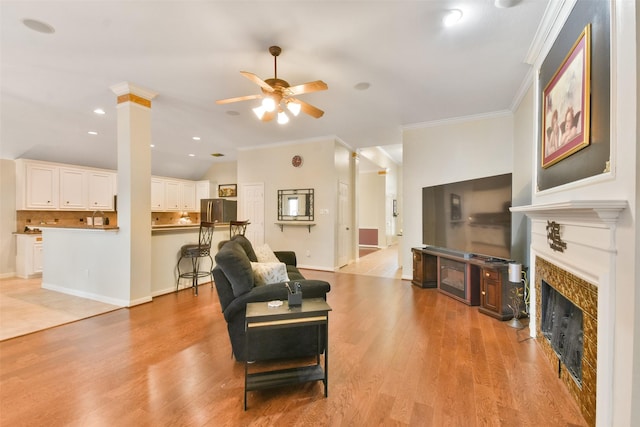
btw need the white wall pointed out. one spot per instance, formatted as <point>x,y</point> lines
<point>451,151</point>
<point>7,218</point>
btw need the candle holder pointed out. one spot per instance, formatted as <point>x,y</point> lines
<point>516,294</point>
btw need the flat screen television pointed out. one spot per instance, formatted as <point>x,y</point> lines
<point>470,217</point>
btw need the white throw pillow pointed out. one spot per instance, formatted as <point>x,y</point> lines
<point>265,254</point>
<point>265,273</point>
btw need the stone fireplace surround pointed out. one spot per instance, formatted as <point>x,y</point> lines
<point>585,273</point>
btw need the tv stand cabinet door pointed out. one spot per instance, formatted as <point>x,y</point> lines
<point>493,300</point>
<point>425,269</point>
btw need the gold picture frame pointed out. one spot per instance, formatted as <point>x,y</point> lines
<point>227,190</point>
<point>566,104</point>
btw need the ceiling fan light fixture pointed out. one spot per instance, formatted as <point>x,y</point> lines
<point>452,17</point>
<point>294,107</point>
<point>269,104</point>
<point>283,119</point>
<point>259,112</point>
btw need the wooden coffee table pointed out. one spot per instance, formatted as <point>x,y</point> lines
<point>314,311</point>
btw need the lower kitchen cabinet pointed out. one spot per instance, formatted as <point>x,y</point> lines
<point>28,255</point>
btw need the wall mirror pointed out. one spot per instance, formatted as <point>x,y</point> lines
<point>295,205</point>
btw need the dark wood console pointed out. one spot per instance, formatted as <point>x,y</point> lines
<point>471,279</point>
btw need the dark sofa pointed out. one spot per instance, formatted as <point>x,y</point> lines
<point>233,276</point>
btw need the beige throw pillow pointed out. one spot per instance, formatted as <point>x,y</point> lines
<point>265,254</point>
<point>265,273</point>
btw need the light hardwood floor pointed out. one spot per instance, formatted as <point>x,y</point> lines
<point>399,355</point>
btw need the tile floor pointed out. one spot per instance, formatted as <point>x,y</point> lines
<point>25,307</point>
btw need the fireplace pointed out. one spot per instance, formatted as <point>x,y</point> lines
<point>575,250</point>
<point>567,323</point>
<point>561,324</point>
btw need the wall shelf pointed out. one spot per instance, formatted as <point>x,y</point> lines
<point>307,224</point>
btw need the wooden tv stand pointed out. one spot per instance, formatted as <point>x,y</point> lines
<point>469,278</point>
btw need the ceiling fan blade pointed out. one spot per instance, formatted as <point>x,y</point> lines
<point>239,98</point>
<point>309,109</point>
<point>307,87</point>
<point>257,80</point>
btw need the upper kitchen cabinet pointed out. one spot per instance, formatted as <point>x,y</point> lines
<point>73,189</point>
<point>172,195</point>
<point>102,188</point>
<point>51,186</point>
<point>169,194</point>
<point>188,196</point>
<point>203,191</point>
<point>157,194</point>
<point>37,185</point>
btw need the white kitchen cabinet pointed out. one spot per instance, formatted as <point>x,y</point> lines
<point>28,255</point>
<point>172,195</point>
<point>188,196</point>
<point>157,194</point>
<point>203,191</point>
<point>41,187</point>
<point>73,189</point>
<point>101,190</point>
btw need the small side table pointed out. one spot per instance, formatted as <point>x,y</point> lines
<point>314,311</point>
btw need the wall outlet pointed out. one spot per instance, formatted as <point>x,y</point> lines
<point>308,253</point>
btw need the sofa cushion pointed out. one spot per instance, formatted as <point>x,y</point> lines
<point>246,245</point>
<point>234,263</point>
<point>266,273</point>
<point>265,254</point>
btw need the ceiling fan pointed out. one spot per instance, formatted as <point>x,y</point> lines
<point>277,93</point>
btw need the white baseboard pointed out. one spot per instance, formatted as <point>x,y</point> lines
<point>95,297</point>
<point>8,275</point>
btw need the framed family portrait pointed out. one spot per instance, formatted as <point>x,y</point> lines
<point>227,190</point>
<point>566,104</point>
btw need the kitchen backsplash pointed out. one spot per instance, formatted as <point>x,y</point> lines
<point>33,219</point>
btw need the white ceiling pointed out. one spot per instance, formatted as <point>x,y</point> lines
<point>191,52</point>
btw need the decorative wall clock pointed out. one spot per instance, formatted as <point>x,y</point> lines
<point>296,161</point>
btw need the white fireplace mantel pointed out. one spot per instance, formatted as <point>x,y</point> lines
<point>605,211</point>
<point>588,230</point>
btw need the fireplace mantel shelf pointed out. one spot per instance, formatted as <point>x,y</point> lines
<point>606,211</point>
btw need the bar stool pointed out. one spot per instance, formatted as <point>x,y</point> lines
<point>195,252</point>
<point>237,227</point>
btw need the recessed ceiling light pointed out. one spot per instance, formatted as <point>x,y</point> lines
<point>192,155</point>
<point>196,138</point>
<point>503,4</point>
<point>92,132</point>
<point>99,111</point>
<point>39,26</point>
<point>362,86</point>
<point>152,145</point>
<point>452,17</point>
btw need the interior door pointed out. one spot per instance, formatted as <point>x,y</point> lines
<point>252,209</point>
<point>344,224</point>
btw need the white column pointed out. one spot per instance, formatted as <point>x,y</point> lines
<point>134,189</point>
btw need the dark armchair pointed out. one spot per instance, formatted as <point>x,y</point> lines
<point>234,282</point>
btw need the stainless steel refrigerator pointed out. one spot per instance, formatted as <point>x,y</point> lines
<point>218,210</point>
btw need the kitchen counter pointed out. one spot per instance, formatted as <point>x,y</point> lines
<point>174,227</point>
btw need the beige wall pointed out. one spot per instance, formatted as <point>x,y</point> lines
<point>7,217</point>
<point>220,174</point>
<point>325,163</point>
